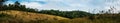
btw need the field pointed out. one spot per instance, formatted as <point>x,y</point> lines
<point>13,16</point>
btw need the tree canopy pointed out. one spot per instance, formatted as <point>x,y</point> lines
<point>2,2</point>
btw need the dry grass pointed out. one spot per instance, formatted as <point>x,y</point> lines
<point>29,17</point>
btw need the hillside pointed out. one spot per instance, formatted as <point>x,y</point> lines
<point>29,16</point>
<point>14,16</point>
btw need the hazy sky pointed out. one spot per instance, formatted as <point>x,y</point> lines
<point>69,5</point>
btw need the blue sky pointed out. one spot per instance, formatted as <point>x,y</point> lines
<point>69,5</point>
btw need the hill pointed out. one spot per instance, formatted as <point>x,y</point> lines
<point>14,15</point>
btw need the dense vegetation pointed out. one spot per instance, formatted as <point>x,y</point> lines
<point>68,14</point>
<point>16,6</point>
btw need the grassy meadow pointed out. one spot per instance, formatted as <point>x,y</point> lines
<point>17,13</point>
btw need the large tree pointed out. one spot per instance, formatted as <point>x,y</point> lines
<point>17,3</point>
<point>2,2</point>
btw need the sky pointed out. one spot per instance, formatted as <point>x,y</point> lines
<point>70,5</point>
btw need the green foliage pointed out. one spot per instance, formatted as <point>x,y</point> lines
<point>17,3</point>
<point>2,2</point>
<point>30,10</point>
<point>68,14</point>
<point>17,6</point>
<point>3,15</point>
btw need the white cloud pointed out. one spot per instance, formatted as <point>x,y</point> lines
<point>69,5</point>
<point>32,4</point>
<point>65,5</point>
<point>9,2</point>
<point>113,3</point>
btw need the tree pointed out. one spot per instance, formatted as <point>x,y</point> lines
<point>1,4</point>
<point>17,3</point>
<point>2,1</point>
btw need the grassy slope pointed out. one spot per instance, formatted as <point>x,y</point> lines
<point>29,16</point>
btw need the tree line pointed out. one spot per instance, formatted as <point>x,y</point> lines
<point>15,6</point>
<point>68,14</point>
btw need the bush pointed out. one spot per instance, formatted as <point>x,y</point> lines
<point>3,15</point>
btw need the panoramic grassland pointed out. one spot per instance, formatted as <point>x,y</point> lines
<point>17,13</point>
<point>13,16</point>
